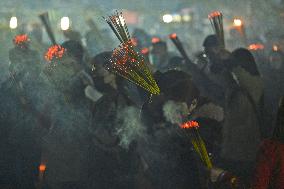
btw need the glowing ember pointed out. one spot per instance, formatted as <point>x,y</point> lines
<point>42,168</point>
<point>145,51</point>
<point>55,51</point>
<point>214,14</point>
<point>134,41</point>
<point>20,40</point>
<point>173,36</point>
<point>155,40</point>
<point>189,125</point>
<point>255,47</point>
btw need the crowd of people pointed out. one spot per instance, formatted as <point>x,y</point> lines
<point>70,123</point>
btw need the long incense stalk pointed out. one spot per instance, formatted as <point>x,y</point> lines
<point>45,21</point>
<point>216,20</point>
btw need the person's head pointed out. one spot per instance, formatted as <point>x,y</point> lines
<point>278,133</point>
<point>176,63</point>
<point>211,46</point>
<point>276,60</point>
<point>74,49</point>
<point>99,63</point>
<point>177,86</point>
<point>243,58</point>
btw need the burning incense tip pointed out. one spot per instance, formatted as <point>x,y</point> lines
<point>20,40</point>
<point>215,14</point>
<point>189,125</point>
<point>42,168</point>
<point>145,51</point>
<point>155,40</point>
<point>55,51</point>
<point>173,36</point>
<point>256,46</point>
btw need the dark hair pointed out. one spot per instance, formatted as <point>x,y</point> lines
<point>278,133</point>
<point>211,41</point>
<point>177,86</point>
<point>243,57</point>
<point>75,49</point>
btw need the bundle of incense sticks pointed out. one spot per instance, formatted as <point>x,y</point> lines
<point>197,142</point>
<point>125,61</point>
<point>118,26</point>
<point>45,21</point>
<point>179,46</point>
<point>216,20</point>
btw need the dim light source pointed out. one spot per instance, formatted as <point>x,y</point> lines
<point>13,22</point>
<point>65,23</point>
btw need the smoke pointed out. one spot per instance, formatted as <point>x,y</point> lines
<point>130,127</point>
<point>175,111</point>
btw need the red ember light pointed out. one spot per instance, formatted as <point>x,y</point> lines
<point>42,168</point>
<point>145,51</point>
<point>189,125</point>
<point>55,51</point>
<point>173,36</point>
<point>21,39</point>
<point>255,47</point>
<point>155,40</point>
<point>215,14</point>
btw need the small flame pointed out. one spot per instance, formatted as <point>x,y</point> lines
<point>155,40</point>
<point>189,125</point>
<point>55,51</point>
<point>21,39</point>
<point>214,14</point>
<point>173,36</point>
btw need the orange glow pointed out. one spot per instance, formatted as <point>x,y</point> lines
<point>189,125</point>
<point>145,51</point>
<point>21,39</point>
<point>238,22</point>
<point>134,41</point>
<point>255,47</point>
<point>275,48</point>
<point>55,51</point>
<point>214,14</point>
<point>173,36</point>
<point>155,40</point>
<point>42,167</point>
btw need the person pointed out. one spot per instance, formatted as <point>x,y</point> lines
<point>20,136</point>
<point>216,68</point>
<point>166,150</point>
<point>66,144</point>
<point>273,88</point>
<point>270,160</point>
<point>114,159</point>
<point>160,56</point>
<point>241,129</point>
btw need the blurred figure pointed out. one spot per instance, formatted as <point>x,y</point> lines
<point>114,159</point>
<point>67,142</point>
<point>160,56</point>
<point>167,150</point>
<point>273,84</point>
<point>143,39</point>
<point>270,161</point>
<point>241,130</point>
<point>19,123</point>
